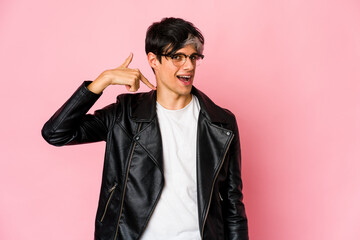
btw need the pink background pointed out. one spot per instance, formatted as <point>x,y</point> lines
<point>288,69</point>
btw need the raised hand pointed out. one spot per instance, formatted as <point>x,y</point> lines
<point>121,75</point>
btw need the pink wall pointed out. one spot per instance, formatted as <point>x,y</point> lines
<point>289,70</point>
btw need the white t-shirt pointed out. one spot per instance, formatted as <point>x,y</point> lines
<point>176,214</point>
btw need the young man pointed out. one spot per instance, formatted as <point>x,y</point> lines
<point>172,161</point>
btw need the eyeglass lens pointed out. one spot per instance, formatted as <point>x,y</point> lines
<point>180,59</point>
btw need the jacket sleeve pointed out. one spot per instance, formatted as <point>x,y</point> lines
<point>236,226</point>
<point>71,125</point>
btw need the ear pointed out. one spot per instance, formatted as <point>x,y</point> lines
<point>153,61</point>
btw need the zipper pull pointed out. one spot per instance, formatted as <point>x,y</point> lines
<point>112,189</point>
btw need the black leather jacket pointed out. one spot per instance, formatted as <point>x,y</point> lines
<point>133,169</point>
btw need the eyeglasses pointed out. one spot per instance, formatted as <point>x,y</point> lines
<point>179,59</point>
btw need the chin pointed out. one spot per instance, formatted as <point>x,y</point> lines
<point>186,91</point>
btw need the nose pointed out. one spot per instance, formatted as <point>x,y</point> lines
<point>189,65</point>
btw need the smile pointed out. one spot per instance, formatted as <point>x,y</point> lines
<point>184,78</point>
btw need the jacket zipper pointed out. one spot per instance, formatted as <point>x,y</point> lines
<point>126,178</point>
<point>212,188</point>
<point>111,191</point>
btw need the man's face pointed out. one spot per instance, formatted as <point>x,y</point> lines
<point>176,80</point>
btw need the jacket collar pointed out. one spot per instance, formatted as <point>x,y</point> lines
<point>144,108</point>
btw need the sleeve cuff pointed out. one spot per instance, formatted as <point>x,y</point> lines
<point>84,86</point>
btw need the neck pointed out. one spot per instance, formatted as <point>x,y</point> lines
<point>172,101</point>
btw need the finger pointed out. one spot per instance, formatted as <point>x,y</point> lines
<point>132,88</point>
<point>127,61</point>
<point>146,82</point>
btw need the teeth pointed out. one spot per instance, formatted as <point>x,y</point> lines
<point>185,78</point>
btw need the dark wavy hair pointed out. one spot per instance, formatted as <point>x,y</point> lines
<point>172,34</point>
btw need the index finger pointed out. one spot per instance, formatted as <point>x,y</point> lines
<point>146,82</point>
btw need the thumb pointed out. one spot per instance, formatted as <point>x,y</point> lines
<point>127,61</point>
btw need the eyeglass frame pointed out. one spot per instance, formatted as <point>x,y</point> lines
<point>186,56</point>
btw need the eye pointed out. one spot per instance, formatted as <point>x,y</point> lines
<point>177,57</point>
<point>194,57</point>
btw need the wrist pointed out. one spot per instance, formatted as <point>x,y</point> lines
<point>99,84</point>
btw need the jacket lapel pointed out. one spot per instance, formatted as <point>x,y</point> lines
<point>144,110</point>
<point>212,145</point>
<point>150,138</point>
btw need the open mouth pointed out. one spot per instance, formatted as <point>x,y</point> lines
<point>184,78</point>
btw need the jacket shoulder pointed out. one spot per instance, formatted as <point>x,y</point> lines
<point>128,97</point>
<point>214,111</point>
<point>132,99</point>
